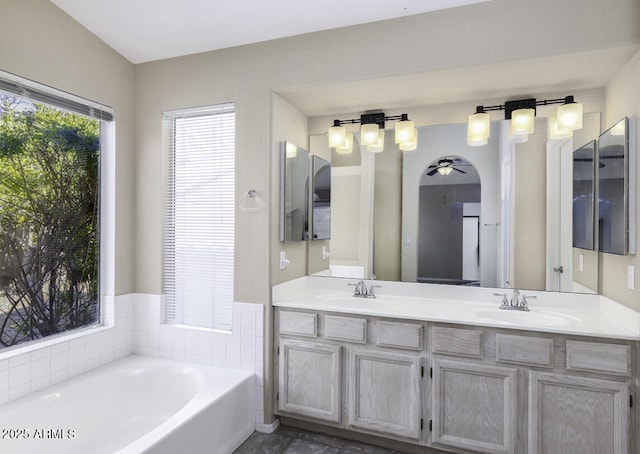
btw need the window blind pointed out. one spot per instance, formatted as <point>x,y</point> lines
<point>199,216</point>
<point>53,97</point>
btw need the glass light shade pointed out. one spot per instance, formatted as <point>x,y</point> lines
<point>405,131</point>
<point>292,150</point>
<point>369,134</point>
<point>478,129</point>
<point>555,132</point>
<point>522,122</point>
<point>444,170</point>
<point>347,146</point>
<point>379,145</point>
<point>570,116</point>
<point>410,146</point>
<point>337,136</point>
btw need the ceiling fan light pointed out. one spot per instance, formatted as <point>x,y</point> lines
<point>369,134</point>
<point>347,148</point>
<point>337,135</point>
<point>522,121</point>
<point>444,171</point>
<point>570,115</point>
<point>405,130</point>
<point>478,129</point>
<point>378,146</point>
<point>556,132</point>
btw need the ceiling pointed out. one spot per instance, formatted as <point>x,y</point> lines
<point>146,30</point>
<point>504,80</point>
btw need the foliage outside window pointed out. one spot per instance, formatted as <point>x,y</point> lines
<point>49,205</point>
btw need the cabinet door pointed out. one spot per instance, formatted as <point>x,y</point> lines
<point>384,393</point>
<point>309,380</point>
<point>474,406</point>
<point>571,414</point>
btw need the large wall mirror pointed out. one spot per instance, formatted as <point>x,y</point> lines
<point>616,223</point>
<point>486,223</point>
<point>294,193</point>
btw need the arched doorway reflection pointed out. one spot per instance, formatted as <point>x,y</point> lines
<point>449,223</point>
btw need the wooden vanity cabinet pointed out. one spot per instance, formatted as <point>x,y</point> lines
<point>358,373</point>
<point>458,388</point>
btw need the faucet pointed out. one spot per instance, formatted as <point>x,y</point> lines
<point>361,290</point>
<point>518,301</point>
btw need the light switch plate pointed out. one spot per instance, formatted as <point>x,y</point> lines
<point>631,277</point>
<point>581,263</point>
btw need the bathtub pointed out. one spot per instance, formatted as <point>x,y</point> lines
<point>134,405</point>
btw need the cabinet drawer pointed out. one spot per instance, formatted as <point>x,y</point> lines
<point>455,341</point>
<point>612,359</point>
<point>298,323</point>
<point>532,351</point>
<point>399,335</point>
<point>345,329</point>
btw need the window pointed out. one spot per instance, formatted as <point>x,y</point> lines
<point>49,211</point>
<point>199,216</point>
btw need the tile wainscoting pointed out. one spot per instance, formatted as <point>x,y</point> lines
<point>240,349</point>
<point>132,325</point>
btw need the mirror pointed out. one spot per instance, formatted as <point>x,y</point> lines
<point>294,193</point>
<point>321,200</point>
<point>613,191</point>
<point>376,230</point>
<point>583,196</point>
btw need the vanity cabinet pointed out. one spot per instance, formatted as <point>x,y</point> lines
<point>474,406</point>
<point>457,388</point>
<point>309,380</point>
<point>384,392</point>
<point>577,415</point>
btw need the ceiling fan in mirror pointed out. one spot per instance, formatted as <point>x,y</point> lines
<point>446,166</point>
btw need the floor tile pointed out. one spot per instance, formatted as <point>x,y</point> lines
<point>289,440</point>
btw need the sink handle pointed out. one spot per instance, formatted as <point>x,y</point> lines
<point>505,302</point>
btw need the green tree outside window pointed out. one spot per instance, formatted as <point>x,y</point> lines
<point>49,205</point>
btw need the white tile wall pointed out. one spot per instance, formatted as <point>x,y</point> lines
<point>39,365</point>
<point>133,326</point>
<point>239,349</point>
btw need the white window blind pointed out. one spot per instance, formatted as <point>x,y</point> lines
<point>199,216</point>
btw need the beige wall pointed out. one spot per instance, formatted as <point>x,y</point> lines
<point>40,42</point>
<point>623,99</point>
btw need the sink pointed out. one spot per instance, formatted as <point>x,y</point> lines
<point>531,317</point>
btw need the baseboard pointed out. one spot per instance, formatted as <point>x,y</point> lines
<point>268,428</point>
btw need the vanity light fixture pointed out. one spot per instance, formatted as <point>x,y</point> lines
<point>522,114</point>
<point>372,132</point>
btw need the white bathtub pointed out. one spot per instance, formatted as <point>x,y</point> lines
<point>138,404</point>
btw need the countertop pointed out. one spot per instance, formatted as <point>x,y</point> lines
<point>549,312</point>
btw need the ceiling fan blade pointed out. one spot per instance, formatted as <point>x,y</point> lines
<point>433,172</point>
<point>458,170</point>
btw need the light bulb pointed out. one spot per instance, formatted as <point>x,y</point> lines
<point>570,116</point>
<point>347,146</point>
<point>337,135</point>
<point>522,122</point>
<point>369,134</point>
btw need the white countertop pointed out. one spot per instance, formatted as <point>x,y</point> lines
<point>583,315</point>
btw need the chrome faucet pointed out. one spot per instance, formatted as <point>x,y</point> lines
<point>361,290</point>
<point>518,301</point>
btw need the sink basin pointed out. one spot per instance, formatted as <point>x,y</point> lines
<point>531,317</point>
